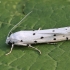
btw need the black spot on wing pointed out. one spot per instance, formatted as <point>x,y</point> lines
<point>63,36</point>
<point>54,38</point>
<point>53,30</point>
<point>35,41</point>
<point>54,35</point>
<point>21,41</point>
<point>65,29</point>
<point>33,33</point>
<point>42,37</point>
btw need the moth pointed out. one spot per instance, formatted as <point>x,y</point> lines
<point>29,37</point>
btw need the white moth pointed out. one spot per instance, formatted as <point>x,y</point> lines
<point>26,38</point>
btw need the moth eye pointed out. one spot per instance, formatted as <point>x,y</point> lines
<point>9,43</point>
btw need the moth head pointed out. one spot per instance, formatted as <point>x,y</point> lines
<point>8,40</point>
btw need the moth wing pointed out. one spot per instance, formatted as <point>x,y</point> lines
<point>53,31</point>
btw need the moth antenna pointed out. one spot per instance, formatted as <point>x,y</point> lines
<point>18,24</point>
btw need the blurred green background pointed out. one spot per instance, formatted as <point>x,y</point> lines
<point>46,14</point>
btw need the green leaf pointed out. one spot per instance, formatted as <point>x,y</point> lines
<point>46,14</point>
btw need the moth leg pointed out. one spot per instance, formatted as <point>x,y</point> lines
<point>10,50</point>
<point>52,43</point>
<point>34,48</point>
<point>39,28</point>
